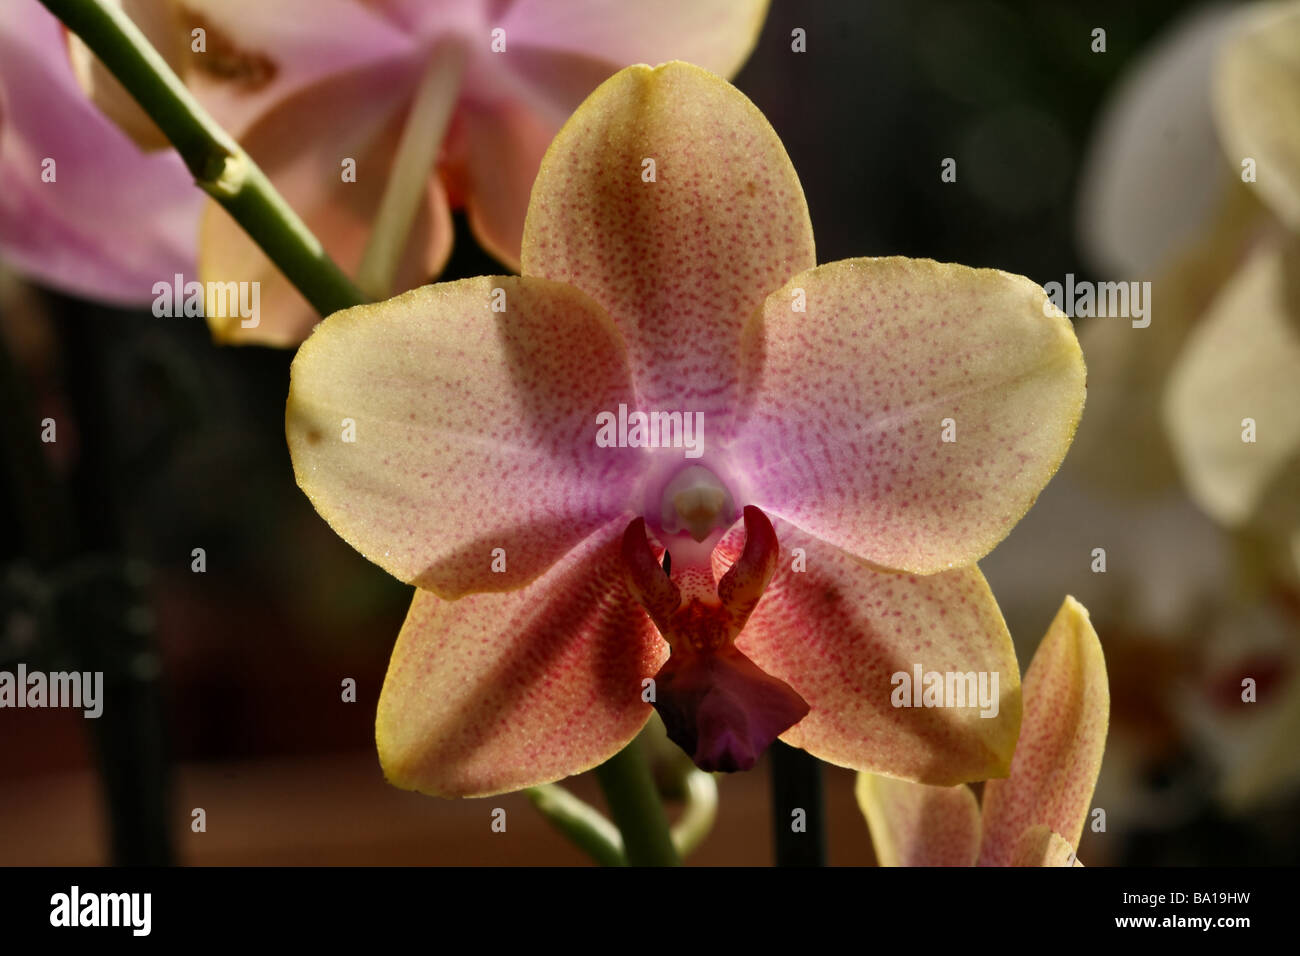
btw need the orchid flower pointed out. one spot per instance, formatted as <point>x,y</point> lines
<point>486,440</point>
<point>1152,175</point>
<point>1156,203</point>
<point>81,209</point>
<point>1231,405</point>
<point>1232,401</point>
<point>1034,817</point>
<point>1167,193</point>
<point>1158,194</point>
<point>375,118</point>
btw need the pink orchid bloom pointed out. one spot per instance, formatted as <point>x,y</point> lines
<point>430,105</point>
<point>1034,817</point>
<point>81,208</point>
<point>460,436</point>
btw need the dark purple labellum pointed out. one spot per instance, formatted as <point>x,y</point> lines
<point>722,709</point>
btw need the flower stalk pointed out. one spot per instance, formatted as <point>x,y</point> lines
<point>797,785</point>
<point>700,812</point>
<point>592,832</point>
<point>638,812</point>
<point>582,823</point>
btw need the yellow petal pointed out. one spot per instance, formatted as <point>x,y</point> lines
<point>850,638</point>
<point>669,199</point>
<point>915,825</point>
<point>1122,447</point>
<point>1257,104</point>
<point>1240,364</point>
<point>1062,737</point>
<point>905,410</point>
<point>1040,846</point>
<point>454,446</point>
<point>1153,171</point>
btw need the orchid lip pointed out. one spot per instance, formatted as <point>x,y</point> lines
<point>722,709</point>
<point>716,703</point>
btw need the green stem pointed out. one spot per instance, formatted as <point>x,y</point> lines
<point>634,803</point>
<point>580,822</point>
<point>219,165</point>
<point>592,832</point>
<point>699,813</point>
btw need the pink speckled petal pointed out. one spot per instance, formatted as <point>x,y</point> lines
<point>845,407</point>
<point>915,825</point>
<point>682,262</point>
<point>301,145</point>
<point>74,233</point>
<point>475,430</point>
<point>496,692</point>
<point>1040,846</point>
<point>714,34</point>
<point>1067,709</point>
<point>840,630</point>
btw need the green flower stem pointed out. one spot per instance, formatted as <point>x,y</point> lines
<point>701,810</point>
<point>219,165</point>
<point>580,822</point>
<point>634,803</point>
<point>592,832</point>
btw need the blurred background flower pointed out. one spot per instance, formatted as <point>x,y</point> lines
<point>82,209</point>
<point>1204,597</point>
<point>373,119</point>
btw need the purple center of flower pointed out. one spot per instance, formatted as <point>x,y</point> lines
<point>717,704</point>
